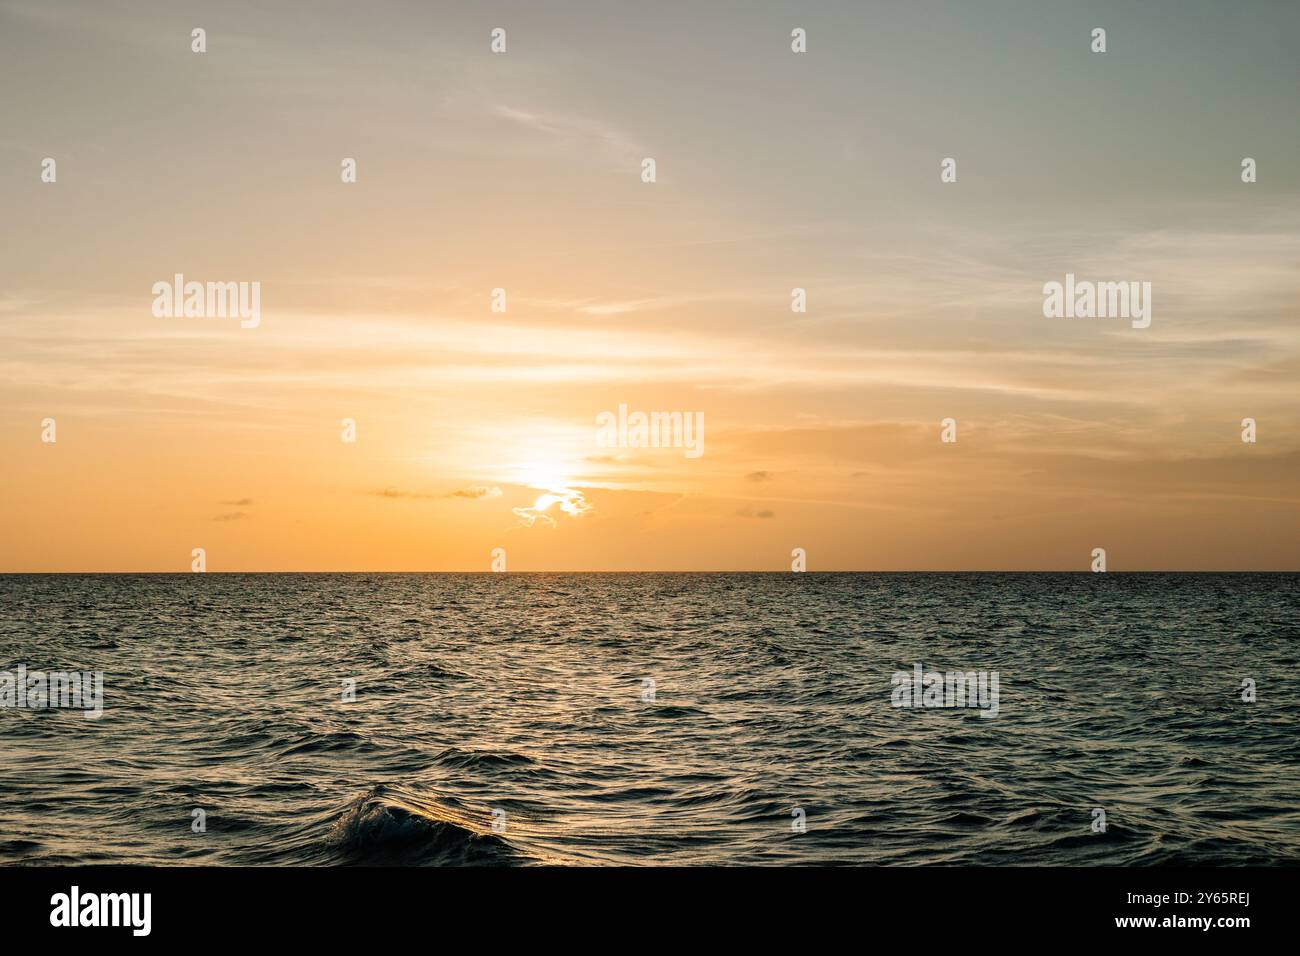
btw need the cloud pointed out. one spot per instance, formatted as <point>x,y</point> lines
<point>581,135</point>
<point>748,512</point>
<point>476,491</point>
<point>233,515</point>
<point>759,476</point>
<point>394,493</point>
<point>472,492</point>
<point>572,503</point>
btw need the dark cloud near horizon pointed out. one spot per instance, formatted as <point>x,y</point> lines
<point>473,492</point>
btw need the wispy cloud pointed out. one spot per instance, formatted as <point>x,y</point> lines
<point>477,491</point>
<point>580,134</point>
<point>473,492</point>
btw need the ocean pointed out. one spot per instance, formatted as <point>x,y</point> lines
<point>649,719</point>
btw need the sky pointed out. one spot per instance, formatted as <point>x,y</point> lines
<point>523,171</point>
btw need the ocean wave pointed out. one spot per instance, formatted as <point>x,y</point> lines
<point>481,759</point>
<point>392,826</point>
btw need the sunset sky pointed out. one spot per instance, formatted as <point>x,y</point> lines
<point>476,430</point>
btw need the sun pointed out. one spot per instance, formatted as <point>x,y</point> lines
<point>544,475</point>
<point>556,484</point>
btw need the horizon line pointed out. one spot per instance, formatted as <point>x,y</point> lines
<point>680,571</point>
